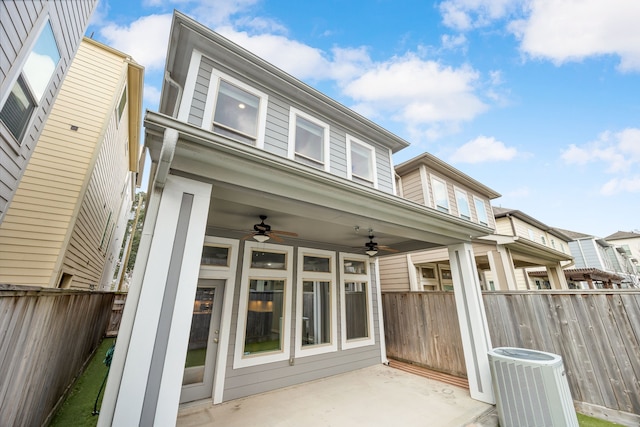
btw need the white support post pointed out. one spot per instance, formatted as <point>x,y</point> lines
<point>148,392</point>
<point>476,341</point>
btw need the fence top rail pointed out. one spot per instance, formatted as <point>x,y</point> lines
<point>534,292</point>
<point>21,291</point>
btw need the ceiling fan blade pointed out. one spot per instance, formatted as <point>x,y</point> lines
<point>285,233</point>
<point>276,238</point>
<point>247,236</point>
<point>387,248</point>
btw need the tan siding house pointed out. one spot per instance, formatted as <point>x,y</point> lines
<point>51,30</point>
<point>62,226</point>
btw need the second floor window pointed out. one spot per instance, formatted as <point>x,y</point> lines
<point>308,140</point>
<point>463,204</point>
<point>29,89</point>
<point>481,211</point>
<point>361,162</point>
<point>440,195</point>
<point>236,113</point>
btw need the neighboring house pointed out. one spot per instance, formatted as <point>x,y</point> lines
<point>518,242</point>
<point>66,222</point>
<point>602,263</point>
<point>220,308</point>
<point>627,244</point>
<point>39,40</point>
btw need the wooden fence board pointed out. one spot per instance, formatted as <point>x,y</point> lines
<point>597,333</point>
<point>47,337</point>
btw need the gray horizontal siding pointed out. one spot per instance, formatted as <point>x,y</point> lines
<point>196,113</point>
<point>385,175</point>
<point>271,376</point>
<point>277,132</point>
<point>18,26</point>
<point>338,151</point>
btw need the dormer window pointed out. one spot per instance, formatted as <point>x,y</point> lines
<point>361,162</point>
<point>308,140</point>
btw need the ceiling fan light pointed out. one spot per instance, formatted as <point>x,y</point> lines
<point>371,252</point>
<point>261,237</point>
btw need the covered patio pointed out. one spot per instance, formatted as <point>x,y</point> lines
<point>374,396</point>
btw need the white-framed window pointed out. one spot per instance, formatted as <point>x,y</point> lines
<point>263,333</point>
<point>121,104</point>
<point>308,140</point>
<point>28,90</point>
<point>356,305</point>
<point>361,162</point>
<point>543,240</point>
<point>532,235</point>
<point>462,200</point>
<point>232,108</point>
<point>481,211</point>
<point>440,194</point>
<point>316,303</point>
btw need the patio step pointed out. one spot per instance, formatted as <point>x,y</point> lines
<point>428,373</point>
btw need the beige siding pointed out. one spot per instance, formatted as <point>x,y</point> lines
<point>394,273</point>
<point>503,226</point>
<point>412,187</point>
<point>19,27</point>
<point>73,180</point>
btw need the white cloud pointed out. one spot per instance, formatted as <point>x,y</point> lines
<point>621,185</point>
<point>559,31</point>
<point>483,149</point>
<point>464,15</point>
<point>417,91</point>
<point>454,42</point>
<point>564,31</point>
<point>144,39</point>
<point>521,192</point>
<point>618,151</point>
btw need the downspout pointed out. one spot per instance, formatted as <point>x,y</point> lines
<point>114,381</point>
<point>168,79</point>
<point>513,227</point>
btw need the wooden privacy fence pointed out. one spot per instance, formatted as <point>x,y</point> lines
<point>597,333</point>
<point>46,336</point>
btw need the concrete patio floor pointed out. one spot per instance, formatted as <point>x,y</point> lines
<point>374,396</point>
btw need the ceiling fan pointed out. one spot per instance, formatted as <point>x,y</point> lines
<point>372,248</point>
<point>263,232</point>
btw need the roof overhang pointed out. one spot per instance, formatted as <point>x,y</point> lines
<point>525,249</point>
<point>583,274</point>
<point>135,78</point>
<point>445,169</point>
<point>318,206</point>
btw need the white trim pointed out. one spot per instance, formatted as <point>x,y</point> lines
<point>383,344</point>
<point>435,179</point>
<point>457,190</point>
<point>393,173</point>
<point>291,149</point>
<point>359,342</point>
<point>330,277</point>
<point>478,199</point>
<point>239,360</point>
<point>424,179</point>
<point>414,280</point>
<point>374,171</point>
<point>190,87</point>
<point>209,107</point>
<point>229,274</point>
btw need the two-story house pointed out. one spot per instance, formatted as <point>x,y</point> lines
<point>627,245</point>
<point>257,267</point>
<point>65,225</point>
<point>39,40</point>
<point>517,242</point>
<point>600,263</point>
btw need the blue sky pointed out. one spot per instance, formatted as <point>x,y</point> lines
<point>537,99</point>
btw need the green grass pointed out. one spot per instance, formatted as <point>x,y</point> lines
<point>257,347</point>
<point>586,421</point>
<point>77,408</point>
<point>195,357</point>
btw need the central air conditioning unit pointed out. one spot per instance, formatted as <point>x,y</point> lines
<point>531,388</point>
